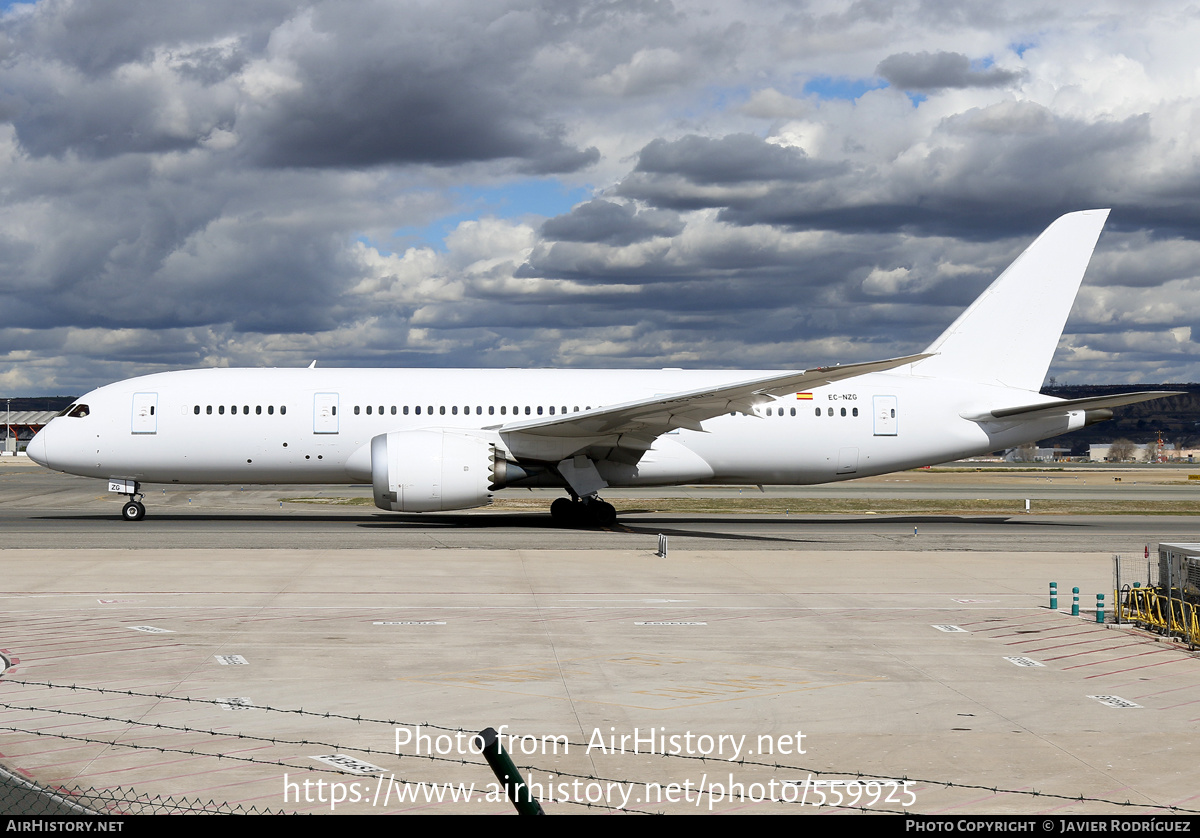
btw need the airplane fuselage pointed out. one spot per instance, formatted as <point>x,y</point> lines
<point>316,425</point>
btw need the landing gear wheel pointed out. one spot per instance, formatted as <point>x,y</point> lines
<point>603,513</point>
<point>133,511</point>
<point>564,510</point>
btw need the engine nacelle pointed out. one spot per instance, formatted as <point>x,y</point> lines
<point>435,471</point>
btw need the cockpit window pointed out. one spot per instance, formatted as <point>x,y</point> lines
<point>64,411</point>
<point>79,411</point>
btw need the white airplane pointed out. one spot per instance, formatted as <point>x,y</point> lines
<point>439,439</point>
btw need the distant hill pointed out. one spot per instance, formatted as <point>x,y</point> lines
<point>55,403</point>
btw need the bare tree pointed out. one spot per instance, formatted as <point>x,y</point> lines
<point>1121,450</point>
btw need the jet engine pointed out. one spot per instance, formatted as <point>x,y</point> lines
<point>436,471</point>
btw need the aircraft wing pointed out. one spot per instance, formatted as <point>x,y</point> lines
<point>1064,406</point>
<point>637,423</point>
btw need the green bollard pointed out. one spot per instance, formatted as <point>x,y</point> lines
<point>1053,596</point>
<point>1100,608</point>
<point>506,772</point>
<point>1075,602</point>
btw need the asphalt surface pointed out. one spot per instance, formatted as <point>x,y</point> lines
<point>44,510</point>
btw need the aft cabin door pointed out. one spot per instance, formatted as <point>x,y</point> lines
<point>325,413</point>
<point>885,415</point>
<point>145,413</point>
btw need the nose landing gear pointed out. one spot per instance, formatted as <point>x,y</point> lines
<point>134,510</point>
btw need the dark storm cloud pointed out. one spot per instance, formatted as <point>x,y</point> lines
<point>376,84</point>
<point>340,85</point>
<point>940,70</point>
<point>735,158</point>
<point>606,222</point>
<point>984,171</point>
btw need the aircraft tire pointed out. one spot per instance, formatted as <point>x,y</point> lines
<point>133,511</point>
<point>603,513</point>
<point>563,510</point>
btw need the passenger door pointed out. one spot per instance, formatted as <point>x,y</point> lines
<point>885,415</point>
<point>145,413</point>
<point>325,413</point>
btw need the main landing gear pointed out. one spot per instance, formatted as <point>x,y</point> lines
<point>134,510</point>
<point>590,511</point>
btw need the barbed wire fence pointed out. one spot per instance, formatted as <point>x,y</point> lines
<point>24,794</point>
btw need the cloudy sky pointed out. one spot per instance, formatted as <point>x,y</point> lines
<point>621,183</point>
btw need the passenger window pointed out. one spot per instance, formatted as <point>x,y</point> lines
<point>491,410</point>
<point>381,410</point>
<point>818,411</point>
<point>768,411</point>
<point>221,409</point>
<point>479,410</point>
<point>258,410</point>
<point>197,410</point>
<point>393,410</point>
<point>442,410</point>
<point>503,410</point>
<point>854,411</point>
<point>551,410</point>
<point>526,410</point>
<point>270,410</point>
<point>843,411</point>
<point>418,409</point>
<point>539,410</point>
<point>208,410</point>
<point>454,410</point>
<point>830,411</point>
<point>406,410</point>
<point>283,410</point>
<point>893,413</point>
<point>356,410</point>
<point>793,411</point>
<point>245,410</point>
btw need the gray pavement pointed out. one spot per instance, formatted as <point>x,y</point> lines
<point>136,647</point>
<point>44,510</point>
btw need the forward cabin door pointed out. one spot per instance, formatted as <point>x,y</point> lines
<point>325,413</point>
<point>145,413</point>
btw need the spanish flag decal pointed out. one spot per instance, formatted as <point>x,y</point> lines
<point>804,396</point>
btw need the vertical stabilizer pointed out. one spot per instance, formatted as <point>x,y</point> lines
<point>1008,335</point>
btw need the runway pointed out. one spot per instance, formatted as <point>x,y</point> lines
<point>43,510</point>
<point>236,653</point>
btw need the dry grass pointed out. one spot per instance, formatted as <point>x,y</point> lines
<point>838,506</point>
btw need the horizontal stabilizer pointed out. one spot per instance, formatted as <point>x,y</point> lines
<point>1062,407</point>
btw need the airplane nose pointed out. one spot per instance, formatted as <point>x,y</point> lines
<point>37,449</point>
